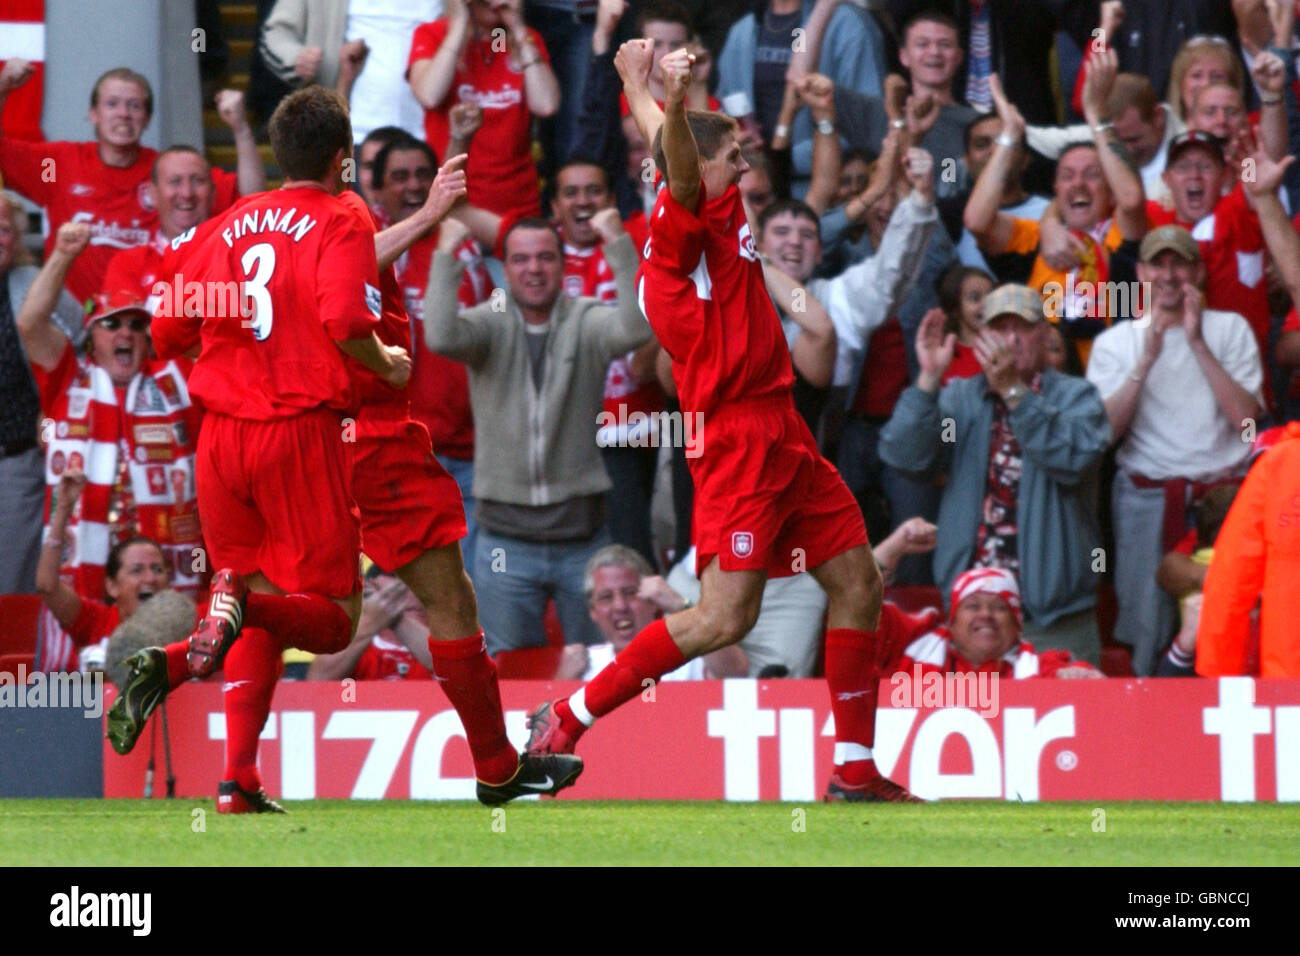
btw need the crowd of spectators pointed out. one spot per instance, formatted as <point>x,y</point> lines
<point>1035,262</point>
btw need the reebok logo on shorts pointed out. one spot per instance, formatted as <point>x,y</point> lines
<point>742,544</point>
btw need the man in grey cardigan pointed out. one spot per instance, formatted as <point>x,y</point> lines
<point>537,362</point>
<point>1040,437</point>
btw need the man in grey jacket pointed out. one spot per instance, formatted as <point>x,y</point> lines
<point>537,362</point>
<point>1022,445</point>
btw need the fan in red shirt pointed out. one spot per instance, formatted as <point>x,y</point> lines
<point>106,183</point>
<point>702,290</point>
<point>460,59</point>
<point>1225,226</point>
<point>181,189</point>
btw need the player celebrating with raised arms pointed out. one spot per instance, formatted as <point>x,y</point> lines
<point>766,502</point>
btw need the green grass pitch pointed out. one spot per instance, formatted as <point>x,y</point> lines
<point>344,833</point>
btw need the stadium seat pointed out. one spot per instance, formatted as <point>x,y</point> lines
<point>18,621</point>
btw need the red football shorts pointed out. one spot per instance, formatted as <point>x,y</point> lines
<point>276,497</point>
<point>409,504</point>
<point>765,498</point>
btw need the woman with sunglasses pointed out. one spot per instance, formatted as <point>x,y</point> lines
<point>122,417</point>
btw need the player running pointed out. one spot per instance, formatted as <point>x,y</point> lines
<point>766,502</point>
<point>274,464</point>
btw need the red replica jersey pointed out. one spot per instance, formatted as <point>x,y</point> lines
<point>393,328</point>
<point>385,659</point>
<point>138,269</point>
<point>275,282</point>
<point>1232,248</point>
<point>75,185</point>
<point>439,387</point>
<point>701,288</point>
<point>501,173</point>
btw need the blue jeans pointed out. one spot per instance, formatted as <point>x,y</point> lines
<point>568,42</point>
<point>515,578</point>
<point>463,472</point>
<point>889,494</point>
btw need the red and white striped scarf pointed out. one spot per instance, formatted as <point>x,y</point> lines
<point>153,431</point>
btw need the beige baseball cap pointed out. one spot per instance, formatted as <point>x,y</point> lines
<point>1013,299</point>
<point>1174,238</point>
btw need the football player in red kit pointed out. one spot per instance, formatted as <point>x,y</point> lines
<point>276,387</point>
<point>702,290</point>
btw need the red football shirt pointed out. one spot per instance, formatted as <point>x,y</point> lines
<point>305,270</point>
<point>701,288</point>
<point>137,269</point>
<point>500,170</point>
<point>75,185</point>
<point>440,386</point>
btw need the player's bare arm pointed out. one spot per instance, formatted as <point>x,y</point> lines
<point>813,352</point>
<point>680,150</point>
<point>448,188</point>
<point>42,340</point>
<point>390,362</point>
<point>633,62</point>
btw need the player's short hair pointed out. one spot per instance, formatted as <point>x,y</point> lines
<point>171,151</point>
<point>532,222</point>
<point>794,207</point>
<point>114,563</point>
<point>613,556</point>
<point>927,16</point>
<point>307,129</point>
<point>710,130</point>
<point>663,11</point>
<point>583,159</point>
<point>1132,91</point>
<point>405,143</point>
<point>130,76</point>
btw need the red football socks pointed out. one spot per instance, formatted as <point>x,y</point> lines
<point>306,621</point>
<point>469,679</point>
<point>252,668</point>
<point>651,655</point>
<point>178,670</point>
<point>853,679</point>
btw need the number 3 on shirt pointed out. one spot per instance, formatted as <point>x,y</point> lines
<point>263,256</point>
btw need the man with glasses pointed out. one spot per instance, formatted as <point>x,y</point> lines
<point>120,415</point>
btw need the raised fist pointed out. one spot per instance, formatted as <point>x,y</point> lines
<point>308,64</point>
<point>72,238</point>
<point>676,70</point>
<point>230,107</point>
<point>15,73</point>
<point>465,120</point>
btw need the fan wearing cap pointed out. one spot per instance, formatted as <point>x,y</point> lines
<point>1225,225</point>
<point>122,417</point>
<point>1021,445</point>
<point>983,634</point>
<point>1177,387</point>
